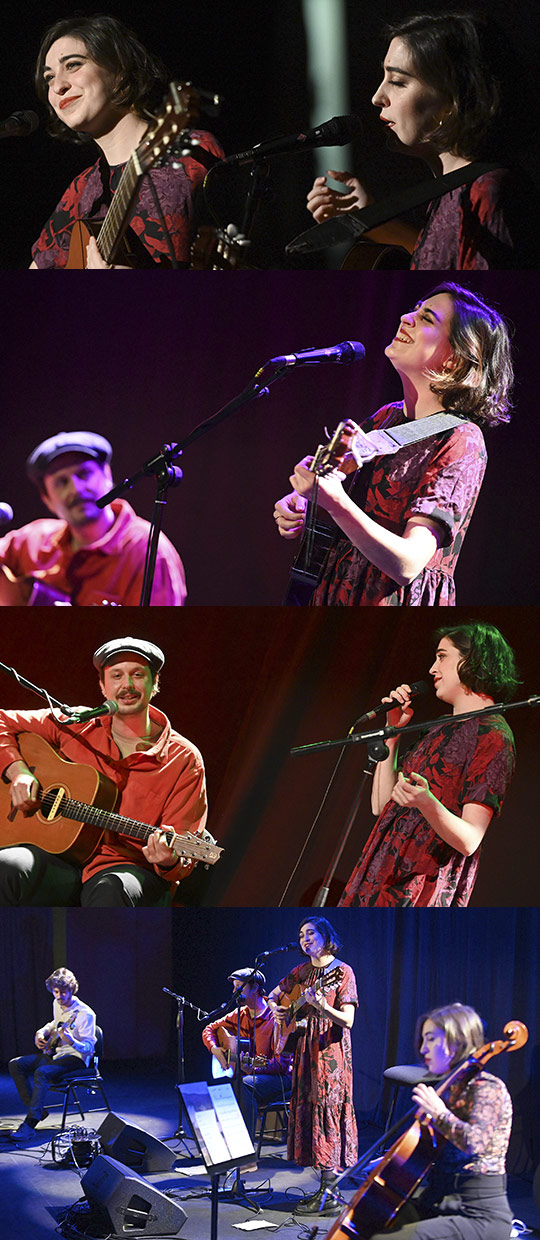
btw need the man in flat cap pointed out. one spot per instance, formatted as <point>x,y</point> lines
<point>265,1076</point>
<point>160,780</point>
<point>83,555</point>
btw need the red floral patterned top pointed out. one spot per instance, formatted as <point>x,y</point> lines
<point>487,225</point>
<point>88,196</point>
<point>439,477</point>
<point>404,861</point>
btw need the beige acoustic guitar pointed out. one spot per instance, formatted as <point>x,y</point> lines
<point>75,808</point>
<point>286,1025</point>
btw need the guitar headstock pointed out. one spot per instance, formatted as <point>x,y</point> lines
<point>332,455</point>
<point>181,109</point>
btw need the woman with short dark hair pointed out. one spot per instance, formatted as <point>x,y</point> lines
<point>433,813</point>
<point>322,1124</point>
<point>398,546</point>
<point>99,83</point>
<point>449,97</point>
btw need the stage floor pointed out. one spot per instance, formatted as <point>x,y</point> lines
<point>36,1190</point>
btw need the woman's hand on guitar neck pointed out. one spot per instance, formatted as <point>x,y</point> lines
<point>330,485</point>
<point>324,202</point>
<point>94,261</point>
<point>289,515</point>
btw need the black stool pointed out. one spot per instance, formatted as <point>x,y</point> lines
<point>402,1074</point>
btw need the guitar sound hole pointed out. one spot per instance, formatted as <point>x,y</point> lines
<point>52,802</point>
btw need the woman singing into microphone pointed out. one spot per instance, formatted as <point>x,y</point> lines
<point>322,1124</point>
<point>398,546</point>
<point>465,1195</point>
<point>424,849</point>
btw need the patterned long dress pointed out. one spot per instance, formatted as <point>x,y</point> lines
<point>322,1123</point>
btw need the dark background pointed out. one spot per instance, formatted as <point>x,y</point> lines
<point>405,962</point>
<point>145,370</point>
<point>254,55</point>
<point>248,684</point>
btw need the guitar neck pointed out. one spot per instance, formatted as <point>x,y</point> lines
<point>107,821</point>
<point>117,217</point>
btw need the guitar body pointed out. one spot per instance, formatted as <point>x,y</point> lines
<point>129,251</point>
<point>229,1044</point>
<point>286,1026</point>
<point>370,256</point>
<point>307,568</point>
<point>21,592</point>
<point>46,828</point>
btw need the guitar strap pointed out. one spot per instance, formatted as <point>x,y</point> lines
<point>352,225</point>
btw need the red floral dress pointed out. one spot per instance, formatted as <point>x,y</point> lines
<point>89,195</point>
<point>322,1124</point>
<point>438,477</point>
<point>404,861</point>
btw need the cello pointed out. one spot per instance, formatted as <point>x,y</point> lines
<point>391,1183</point>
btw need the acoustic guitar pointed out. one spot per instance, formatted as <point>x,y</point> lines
<point>54,1038</point>
<point>75,809</point>
<point>28,592</point>
<point>181,109</point>
<point>232,1048</point>
<point>318,535</point>
<point>286,1025</point>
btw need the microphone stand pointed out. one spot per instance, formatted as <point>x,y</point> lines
<point>166,474</point>
<point>43,693</point>
<point>182,1002</point>
<point>377,751</point>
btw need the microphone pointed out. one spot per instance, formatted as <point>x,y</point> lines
<point>82,716</point>
<point>19,125</point>
<point>336,132</point>
<point>6,515</point>
<point>348,351</point>
<point>275,951</point>
<point>417,689</point>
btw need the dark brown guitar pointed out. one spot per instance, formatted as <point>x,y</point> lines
<point>75,809</point>
<point>181,109</point>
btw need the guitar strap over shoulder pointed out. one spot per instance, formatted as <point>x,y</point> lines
<point>388,441</point>
<point>351,225</point>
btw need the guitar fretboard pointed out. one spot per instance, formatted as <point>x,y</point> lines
<point>116,217</point>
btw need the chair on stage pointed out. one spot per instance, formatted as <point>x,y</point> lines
<point>90,1080</point>
<point>280,1111</point>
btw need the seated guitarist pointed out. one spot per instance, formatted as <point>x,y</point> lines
<point>83,555</point>
<point>398,546</point>
<point>100,85</point>
<point>266,1077</point>
<point>65,1045</point>
<point>449,96</point>
<point>159,775</point>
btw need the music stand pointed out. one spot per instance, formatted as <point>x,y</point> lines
<point>221,1134</point>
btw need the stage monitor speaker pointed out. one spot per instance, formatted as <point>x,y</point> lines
<point>133,1146</point>
<point>126,1205</point>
